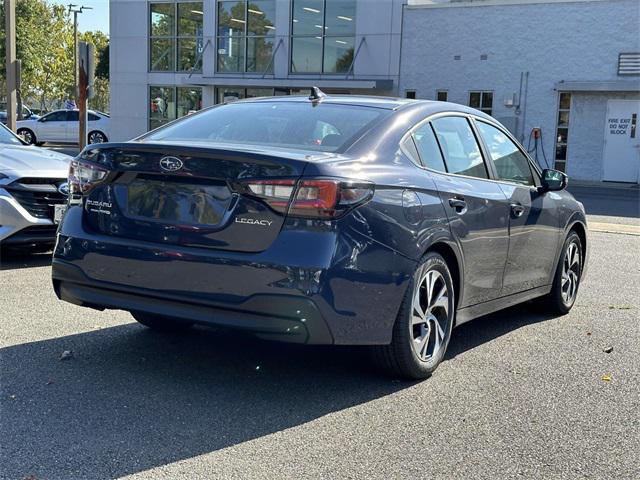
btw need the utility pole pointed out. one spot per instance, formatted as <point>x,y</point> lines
<point>10,30</point>
<point>73,8</point>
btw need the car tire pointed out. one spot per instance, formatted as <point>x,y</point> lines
<point>423,327</point>
<point>97,136</point>
<point>162,324</point>
<point>27,135</point>
<point>567,277</point>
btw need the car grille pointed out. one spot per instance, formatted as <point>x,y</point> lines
<point>38,198</point>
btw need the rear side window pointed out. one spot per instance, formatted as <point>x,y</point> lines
<point>511,164</point>
<point>428,148</point>
<point>324,127</point>
<point>93,117</point>
<point>460,148</point>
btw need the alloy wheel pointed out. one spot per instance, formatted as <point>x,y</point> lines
<point>96,137</point>
<point>570,273</point>
<point>430,316</point>
<point>27,136</point>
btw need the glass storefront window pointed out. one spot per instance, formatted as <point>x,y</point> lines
<point>246,31</point>
<point>261,17</point>
<point>190,17</point>
<point>175,45</point>
<point>166,103</point>
<point>308,17</point>
<point>189,100</point>
<point>338,54</point>
<point>340,18</point>
<point>259,53</point>
<point>162,19</point>
<point>231,54</point>
<point>162,54</point>
<point>162,103</point>
<point>231,94</point>
<point>306,54</point>
<point>323,36</point>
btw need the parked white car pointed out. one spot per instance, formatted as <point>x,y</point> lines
<point>62,126</point>
<point>32,182</point>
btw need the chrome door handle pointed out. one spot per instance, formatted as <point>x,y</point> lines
<point>517,209</point>
<point>458,204</point>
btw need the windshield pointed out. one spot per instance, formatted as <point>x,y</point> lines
<point>7,137</point>
<point>325,127</point>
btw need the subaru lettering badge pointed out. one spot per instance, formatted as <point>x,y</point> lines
<point>63,188</point>
<point>171,164</point>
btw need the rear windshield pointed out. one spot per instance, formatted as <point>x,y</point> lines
<point>324,127</point>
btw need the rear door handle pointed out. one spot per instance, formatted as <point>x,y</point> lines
<point>517,209</point>
<point>458,204</point>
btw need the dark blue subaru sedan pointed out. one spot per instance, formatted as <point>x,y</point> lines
<point>321,220</point>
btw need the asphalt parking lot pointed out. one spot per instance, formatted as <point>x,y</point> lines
<point>521,395</point>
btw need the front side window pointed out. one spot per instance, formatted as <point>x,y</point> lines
<point>324,128</point>
<point>175,42</point>
<point>323,36</point>
<point>459,146</point>
<point>428,148</point>
<point>511,164</point>
<point>482,101</point>
<point>60,116</point>
<point>168,103</point>
<point>246,34</point>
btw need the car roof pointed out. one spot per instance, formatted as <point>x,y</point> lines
<point>387,103</point>
<point>428,107</point>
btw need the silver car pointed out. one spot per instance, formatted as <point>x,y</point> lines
<point>32,182</point>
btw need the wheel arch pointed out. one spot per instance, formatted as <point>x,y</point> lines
<point>578,226</point>
<point>453,259</point>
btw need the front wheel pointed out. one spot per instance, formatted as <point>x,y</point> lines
<point>568,274</point>
<point>423,328</point>
<point>160,323</point>
<point>27,135</point>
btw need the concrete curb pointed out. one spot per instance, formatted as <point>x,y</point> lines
<point>614,228</point>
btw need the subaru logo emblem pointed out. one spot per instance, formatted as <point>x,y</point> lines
<point>63,188</point>
<point>171,164</point>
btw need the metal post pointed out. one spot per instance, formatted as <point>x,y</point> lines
<point>76,11</point>
<point>10,30</point>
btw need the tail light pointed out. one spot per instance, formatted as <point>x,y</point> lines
<point>312,198</point>
<point>83,176</point>
<point>276,193</point>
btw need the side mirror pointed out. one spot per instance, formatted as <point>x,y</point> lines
<point>553,180</point>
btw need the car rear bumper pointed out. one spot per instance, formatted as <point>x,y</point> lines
<point>318,285</point>
<point>17,226</point>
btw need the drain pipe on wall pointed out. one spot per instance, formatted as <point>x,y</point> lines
<point>524,107</point>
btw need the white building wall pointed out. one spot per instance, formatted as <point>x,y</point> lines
<point>553,41</point>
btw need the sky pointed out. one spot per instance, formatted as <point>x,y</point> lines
<point>96,19</point>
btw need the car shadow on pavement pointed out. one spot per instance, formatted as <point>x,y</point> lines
<point>129,399</point>
<point>482,330</point>
<point>11,259</point>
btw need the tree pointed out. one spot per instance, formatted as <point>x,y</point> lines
<point>44,43</point>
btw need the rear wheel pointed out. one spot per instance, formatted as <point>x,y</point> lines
<point>423,328</point>
<point>97,137</point>
<point>27,135</point>
<point>162,324</point>
<point>567,279</point>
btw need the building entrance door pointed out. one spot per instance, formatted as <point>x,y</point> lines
<point>621,162</point>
